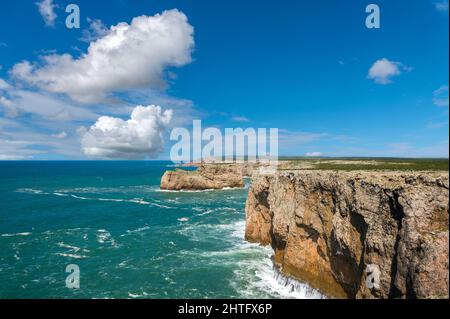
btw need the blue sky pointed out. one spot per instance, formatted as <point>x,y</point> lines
<point>301,66</point>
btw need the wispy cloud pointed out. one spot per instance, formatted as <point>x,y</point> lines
<point>441,6</point>
<point>47,10</point>
<point>240,119</point>
<point>15,150</point>
<point>97,29</point>
<point>408,149</point>
<point>60,135</point>
<point>18,102</point>
<point>288,138</point>
<point>440,96</point>
<point>397,149</point>
<point>314,154</point>
<point>437,125</point>
<point>19,140</point>
<point>383,70</point>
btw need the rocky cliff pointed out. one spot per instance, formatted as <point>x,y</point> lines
<point>356,234</point>
<point>205,177</point>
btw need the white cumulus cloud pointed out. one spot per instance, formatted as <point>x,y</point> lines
<point>47,10</point>
<point>383,70</point>
<point>140,137</point>
<point>129,56</point>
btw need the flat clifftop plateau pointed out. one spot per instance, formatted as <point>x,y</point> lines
<point>205,177</point>
<point>356,234</point>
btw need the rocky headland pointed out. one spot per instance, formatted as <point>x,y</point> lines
<point>209,176</point>
<point>356,234</point>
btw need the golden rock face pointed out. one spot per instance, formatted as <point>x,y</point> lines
<point>206,177</point>
<point>327,228</point>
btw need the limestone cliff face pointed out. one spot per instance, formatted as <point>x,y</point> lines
<point>205,177</point>
<point>356,234</point>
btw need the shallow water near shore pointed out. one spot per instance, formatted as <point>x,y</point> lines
<point>129,239</point>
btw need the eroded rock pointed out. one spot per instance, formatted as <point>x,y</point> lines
<point>205,177</point>
<point>335,229</point>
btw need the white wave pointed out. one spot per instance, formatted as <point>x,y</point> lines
<point>17,234</point>
<point>87,190</point>
<point>30,191</point>
<point>255,274</point>
<point>60,194</point>
<point>238,229</point>
<point>138,230</point>
<point>141,295</point>
<point>200,190</point>
<point>104,237</point>
<point>291,287</point>
<point>71,255</point>
<point>139,201</point>
<point>161,206</point>
<point>209,232</point>
<point>264,276</point>
<point>75,249</point>
<point>79,197</point>
<point>268,278</point>
<point>209,211</point>
<point>108,200</point>
<point>203,212</point>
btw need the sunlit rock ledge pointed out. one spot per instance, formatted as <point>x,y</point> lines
<point>208,176</point>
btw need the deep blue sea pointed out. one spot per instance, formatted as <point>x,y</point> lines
<point>129,238</point>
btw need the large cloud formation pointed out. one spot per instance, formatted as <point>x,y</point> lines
<point>129,56</point>
<point>140,137</point>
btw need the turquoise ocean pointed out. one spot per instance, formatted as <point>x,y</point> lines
<point>128,238</point>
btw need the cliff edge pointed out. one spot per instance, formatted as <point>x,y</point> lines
<point>356,234</point>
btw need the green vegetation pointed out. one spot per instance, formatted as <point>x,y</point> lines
<point>378,164</point>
